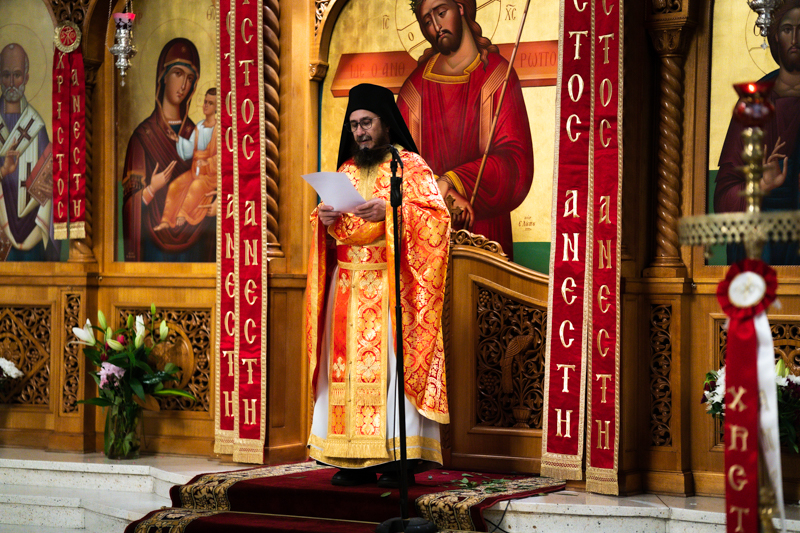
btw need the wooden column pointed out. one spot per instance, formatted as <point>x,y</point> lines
<point>671,26</point>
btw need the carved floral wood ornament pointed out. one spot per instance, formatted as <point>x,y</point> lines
<point>510,361</point>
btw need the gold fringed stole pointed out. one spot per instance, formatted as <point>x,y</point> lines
<point>359,354</point>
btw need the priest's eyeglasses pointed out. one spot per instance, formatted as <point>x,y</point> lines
<point>365,123</point>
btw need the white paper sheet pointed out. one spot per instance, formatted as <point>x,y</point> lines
<point>336,190</point>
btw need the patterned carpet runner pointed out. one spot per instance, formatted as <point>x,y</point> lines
<point>299,497</point>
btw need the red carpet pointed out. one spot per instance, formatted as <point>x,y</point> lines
<point>297,497</point>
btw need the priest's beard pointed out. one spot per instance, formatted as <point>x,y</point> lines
<point>371,157</point>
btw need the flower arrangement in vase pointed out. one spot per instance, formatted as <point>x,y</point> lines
<point>125,377</point>
<point>788,386</point>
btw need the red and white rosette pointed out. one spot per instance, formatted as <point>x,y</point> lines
<point>745,294</point>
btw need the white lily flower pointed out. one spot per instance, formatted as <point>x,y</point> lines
<point>781,369</point>
<point>115,345</point>
<point>85,335</point>
<point>140,331</point>
<point>163,330</point>
<point>101,320</point>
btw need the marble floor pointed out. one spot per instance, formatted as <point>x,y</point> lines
<point>46,492</point>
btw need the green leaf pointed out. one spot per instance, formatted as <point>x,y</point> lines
<point>100,402</point>
<point>174,392</point>
<point>385,494</point>
<point>144,366</point>
<point>171,368</point>
<point>137,388</point>
<point>119,359</point>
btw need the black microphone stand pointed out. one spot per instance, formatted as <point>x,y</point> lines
<point>396,525</point>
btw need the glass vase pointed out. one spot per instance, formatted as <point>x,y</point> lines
<point>122,437</point>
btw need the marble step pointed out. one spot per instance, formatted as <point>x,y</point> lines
<point>73,508</point>
<point>120,477</point>
<point>6,528</point>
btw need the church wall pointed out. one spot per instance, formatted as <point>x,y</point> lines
<point>95,279</point>
<point>671,321</point>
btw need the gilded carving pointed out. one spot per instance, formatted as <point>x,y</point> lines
<point>320,7</point>
<point>510,361</point>
<point>663,7</point>
<point>660,368</point>
<point>72,10</point>
<point>317,70</point>
<point>25,340</point>
<point>72,352</point>
<point>463,237</point>
<point>188,345</point>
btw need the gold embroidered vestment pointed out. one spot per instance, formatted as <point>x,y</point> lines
<point>364,301</point>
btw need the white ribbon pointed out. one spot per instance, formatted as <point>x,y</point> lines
<point>769,435</point>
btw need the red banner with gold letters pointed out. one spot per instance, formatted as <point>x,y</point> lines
<point>69,140</point>
<point>243,225</point>
<point>602,403</point>
<point>565,374</point>
<point>226,280</point>
<point>248,99</point>
<point>748,289</point>
<point>61,138</point>
<point>582,371</point>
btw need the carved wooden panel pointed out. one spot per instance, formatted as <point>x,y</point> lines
<point>72,354</point>
<point>320,7</point>
<point>660,368</point>
<point>785,336</point>
<point>25,339</point>
<point>510,361</point>
<point>73,10</point>
<point>188,345</point>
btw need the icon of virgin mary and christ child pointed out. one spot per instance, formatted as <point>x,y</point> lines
<point>170,219</point>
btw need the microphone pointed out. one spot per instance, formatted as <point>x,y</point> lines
<point>395,154</point>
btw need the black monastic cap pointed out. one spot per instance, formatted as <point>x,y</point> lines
<point>380,101</point>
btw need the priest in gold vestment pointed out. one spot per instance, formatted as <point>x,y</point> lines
<point>351,304</point>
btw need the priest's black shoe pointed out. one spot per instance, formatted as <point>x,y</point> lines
<point>391,480</point>
<point>348,477</point>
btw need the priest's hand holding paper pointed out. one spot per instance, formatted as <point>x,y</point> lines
<point>372,211</point>
<point>327,214</point>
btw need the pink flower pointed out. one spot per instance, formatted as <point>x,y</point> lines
<point>121,339</point>
<point>110,374</point>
